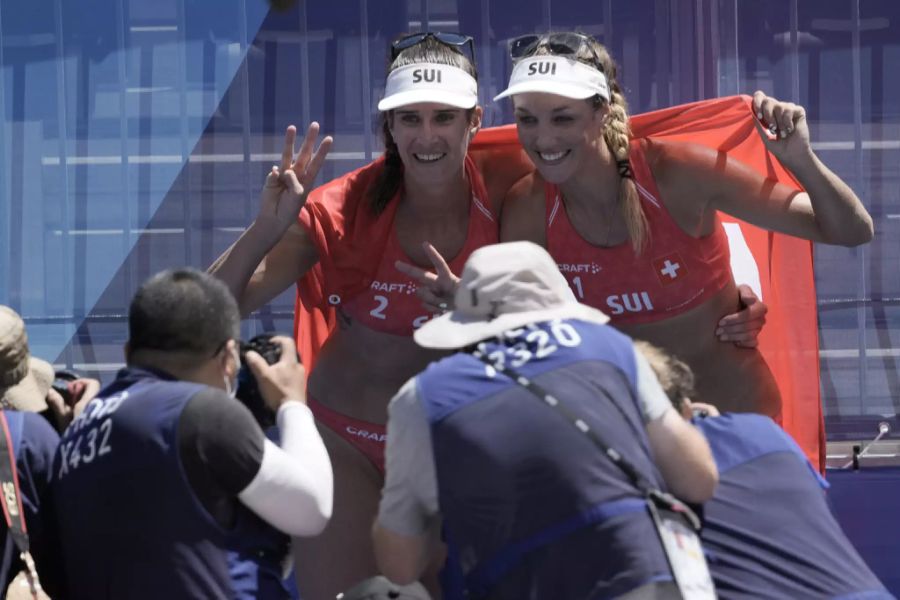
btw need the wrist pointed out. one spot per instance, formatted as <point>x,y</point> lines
<point>800,163</point>
<point>269,227</point>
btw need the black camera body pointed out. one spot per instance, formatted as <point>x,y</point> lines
<point>247,387</point>
<point>61,380</point>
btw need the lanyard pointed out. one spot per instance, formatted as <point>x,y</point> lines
<point>12,503</point>
<point>650,491</point>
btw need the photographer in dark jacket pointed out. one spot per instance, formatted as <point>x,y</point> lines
<point>166,487</point>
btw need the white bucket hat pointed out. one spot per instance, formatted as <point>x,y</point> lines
<point>559,75</point>
<point>429,82</point>
<point>503,287</point>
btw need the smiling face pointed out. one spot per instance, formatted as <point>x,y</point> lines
<point>432,139</point>
<point>558,133</point>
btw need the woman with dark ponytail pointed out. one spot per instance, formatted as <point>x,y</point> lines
<point>355,311</point>
<point>633,222</point>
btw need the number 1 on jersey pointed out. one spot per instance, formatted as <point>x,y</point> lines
<point>578,289</point>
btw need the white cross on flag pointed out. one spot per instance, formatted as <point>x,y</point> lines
<point>669,268</point>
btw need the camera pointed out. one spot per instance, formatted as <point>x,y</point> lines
<point>62,380</point>
<point>247,387</point>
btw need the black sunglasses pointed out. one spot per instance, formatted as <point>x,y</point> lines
<point>454,40</point>
<point>559,44</point>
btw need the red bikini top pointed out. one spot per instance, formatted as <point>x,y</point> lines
<point>390,304</point>
<point>675,273</point>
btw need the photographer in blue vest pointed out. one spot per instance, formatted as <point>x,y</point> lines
<point>165,486</point>
<point>498,444</point>
<point>768,531</point>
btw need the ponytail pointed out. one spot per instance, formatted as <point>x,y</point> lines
<point>618,138</point>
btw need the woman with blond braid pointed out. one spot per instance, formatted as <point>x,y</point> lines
<point>633,223</point>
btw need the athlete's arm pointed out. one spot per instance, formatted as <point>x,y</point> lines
<point>679,450</point>
<point>256,269</point>
<point>275,251</point>
<point>409,504</point>
<point>694,176</point>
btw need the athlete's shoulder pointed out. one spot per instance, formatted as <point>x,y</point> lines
<point>529,187</point>
<point>502,162</point>
<point>677,159</point>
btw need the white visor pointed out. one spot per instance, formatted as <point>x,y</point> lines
<point>429,82</point>
<point>557,75</point>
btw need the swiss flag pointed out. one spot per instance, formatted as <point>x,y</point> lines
<point>669,268</point>
<point>789,342</point>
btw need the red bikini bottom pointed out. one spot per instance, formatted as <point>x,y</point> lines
<point>366,437</point>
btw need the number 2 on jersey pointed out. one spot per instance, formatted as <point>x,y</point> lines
<point>378,311</point>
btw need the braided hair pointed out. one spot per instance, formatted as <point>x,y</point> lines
<point>617,135</point>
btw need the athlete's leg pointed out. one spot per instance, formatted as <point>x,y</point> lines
<point>342,555</point>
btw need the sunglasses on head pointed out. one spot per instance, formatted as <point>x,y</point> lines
<point>559,44</point>
<point>454,40</point>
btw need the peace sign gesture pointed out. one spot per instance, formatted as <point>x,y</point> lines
<point>436,290</point>
<point>287,186</point>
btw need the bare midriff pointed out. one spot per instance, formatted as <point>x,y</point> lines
<point>730,377</point>
<point>359,370</point>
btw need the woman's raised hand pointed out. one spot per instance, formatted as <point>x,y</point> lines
<point>783,128</point>
<point>436,290</point>
<point>288,185</point>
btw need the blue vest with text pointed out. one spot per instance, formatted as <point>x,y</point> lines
<point>33,442</point>
<point>531,507</point>
<point>130,524</point>
<point>768,531</point>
